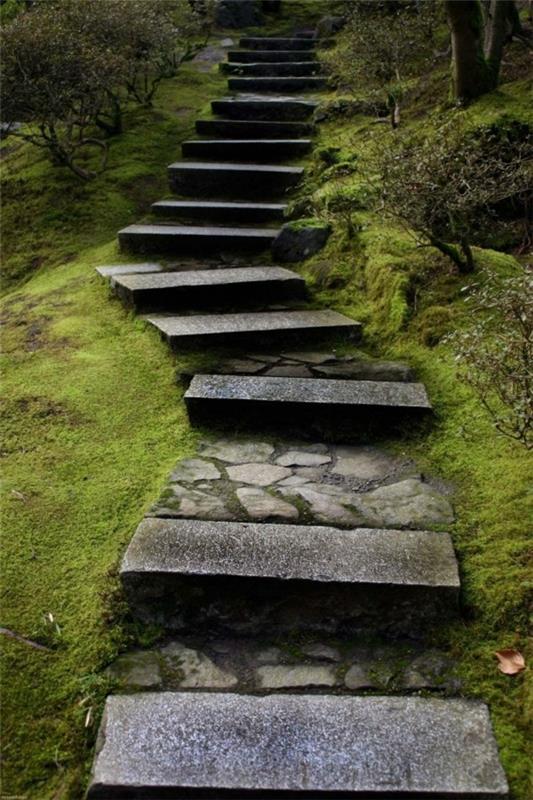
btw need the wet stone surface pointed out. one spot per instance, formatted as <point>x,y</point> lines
<point>270,480</point>
<point>316,665</point>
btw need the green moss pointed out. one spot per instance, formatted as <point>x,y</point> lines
<point>92,427</point>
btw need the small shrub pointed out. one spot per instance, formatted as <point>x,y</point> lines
<point>495,355</point>
<point>447,189</point>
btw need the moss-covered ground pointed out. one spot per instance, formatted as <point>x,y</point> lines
<point>93,424</point>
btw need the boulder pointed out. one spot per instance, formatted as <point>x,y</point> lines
<point>297,242</point>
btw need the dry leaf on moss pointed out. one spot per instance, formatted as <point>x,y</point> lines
<point>511,662</point>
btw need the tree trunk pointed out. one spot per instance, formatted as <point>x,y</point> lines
<point>470,73</point>
<point>480,29</point>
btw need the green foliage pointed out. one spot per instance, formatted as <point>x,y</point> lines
<point>70,67</point>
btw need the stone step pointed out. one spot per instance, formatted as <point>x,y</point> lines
<point>220,212</point>
<point>242,181</point>
<point>305,401</point>
<point>276,43</point>
<point>262,150</point>
<point>255,107</point>
<point>194,239</point>
<point>252,129</point>
<point>254,328</point>
<point>272,56</point>
<point>277,84</point>
<point>280,69</point>
<point>190,574</point>
<point>168,291</point>
<point>214,744</point>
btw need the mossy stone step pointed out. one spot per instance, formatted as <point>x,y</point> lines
<point>277,84</point>
<point>276,43</point>
<point>259,150</point>
<point>253,328</point>
<point>279,69</point>
<point>194,239</point>
<point>209,210</point>
<point>253,129</point>
<point>256,107</point>
<point>215,744</point>
<point>272,56</point>
<point>202,288</point>
<point>286,400</point>
<point>224,179</point>
<point>187,574</point>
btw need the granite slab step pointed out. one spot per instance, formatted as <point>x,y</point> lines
<point>253,328</point>
<point>262,84</point>
<point>210,210</point>
<point>276,43</point>
<point>270,56</point>
<point>194,239</point>
<point>190,574</point>
<point>168,291</point>
<point>271,69</point>
<point>285,401</point>
<point>214,744</point>
<point>253,129</point>
<point>258,150</point>
<point>223,179</point>
<point>255,107</point>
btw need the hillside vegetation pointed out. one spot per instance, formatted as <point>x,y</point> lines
<point>94,422</point>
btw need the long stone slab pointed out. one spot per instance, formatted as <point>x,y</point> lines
<point>272,56</point>
<point>110,272</point>
<point>253,328</point>
<point>201,288</point>
<point>262,150</point>
<point>194,239</point>
<point>308,406</point>
<point>213,211</point>
<point>270,69</point>
<point>276,43</point>
<point>262,84</point>
<point>193,574</point>
<point>253,129</point>
<point>243,181</point>
<point>265,107</point>
<point>232,745</point>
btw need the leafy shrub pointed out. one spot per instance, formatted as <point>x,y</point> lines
<point>381,46</point>
<point>495,356</point>
<point>69,67</point>
<point>447,189</point>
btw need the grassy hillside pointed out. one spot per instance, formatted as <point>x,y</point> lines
<point>94,423</point>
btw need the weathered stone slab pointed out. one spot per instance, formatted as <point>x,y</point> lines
<point>260,505</point>
<point>295,676</point>
<point>210,210</point>
<point>115,270</point>
<point>257,474</point>
<point>409,502</point>
<point>195,469</point>
<point>253,129</point>
<point>138,669</point>
<point>235,452</point>
<point>246,577</point>
<point>262,84</point>
<point>256,107</point>
<point>201,288</point>
<point>262,150</point>
<point>254,181</point>
<point>270,56</point>
<point>259,327</point>
<point>270,69</point>
<point>193,239</point>
<point>367,371</point>
<point>197,670</point>
<point>181,743</point>
<point>242,396</point>
<point>276,43</point>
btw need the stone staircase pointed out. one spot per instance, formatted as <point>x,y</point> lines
<point>256,548</point>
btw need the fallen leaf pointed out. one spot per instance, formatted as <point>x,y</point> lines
<point>18,495</point>
<point>511,661</point>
